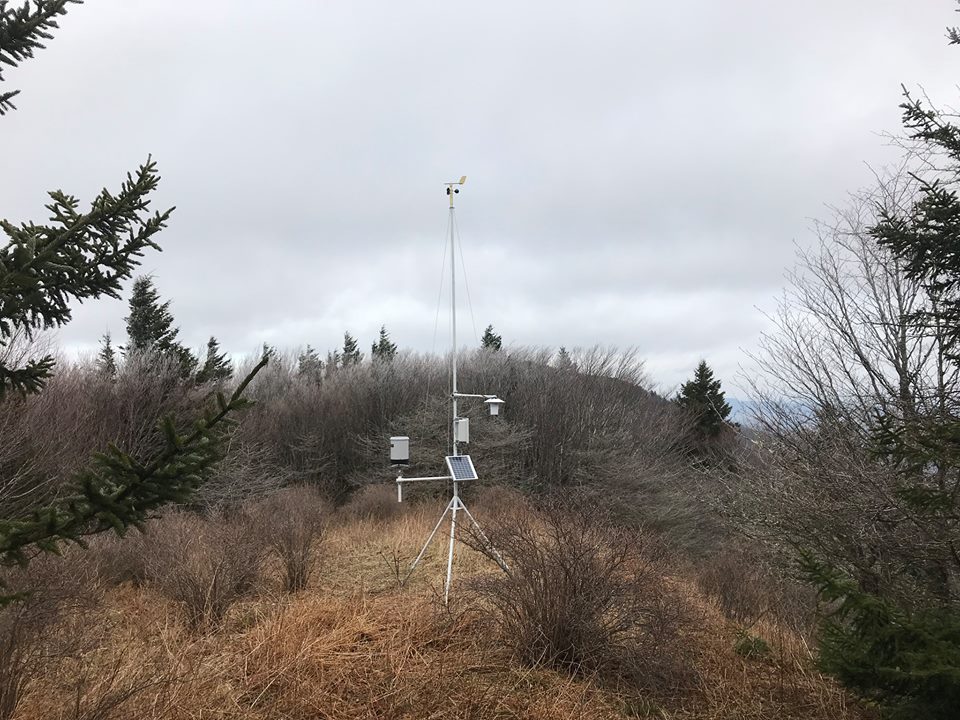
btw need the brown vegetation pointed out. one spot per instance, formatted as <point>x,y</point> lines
<point>583,595</point>
<point>261,600</point>
<point>204,565</point>
<point>294,521</point>
<point>353,645</point>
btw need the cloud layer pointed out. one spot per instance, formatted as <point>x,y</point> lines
<point>638,172</point>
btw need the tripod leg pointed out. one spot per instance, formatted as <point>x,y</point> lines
<point>426,544</point>
<point>486,540</point>
<point>454,504</point>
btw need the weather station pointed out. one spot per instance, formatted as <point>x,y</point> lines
<point>459,466</point>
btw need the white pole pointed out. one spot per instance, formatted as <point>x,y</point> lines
<point>455,501</point>
<point>453,323</point>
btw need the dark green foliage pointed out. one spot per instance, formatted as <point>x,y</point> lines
<point>704,400</point>
<point>383,350</point>
<point>927,237</point>
<point>351,351</point>
<point>76,257</point>
<point>907,660</point>
<point>216,367</point>
<point>22,31</point>
<point>752,647</point>
<point>150,322</point>
<point>150,327</point>
<point>107,359</point>
<point>309,365</point>
<point>490,340</point>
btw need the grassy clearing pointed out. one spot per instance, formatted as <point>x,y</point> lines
<point>354,645</point>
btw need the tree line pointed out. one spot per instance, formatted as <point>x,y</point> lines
<point>151,332</point>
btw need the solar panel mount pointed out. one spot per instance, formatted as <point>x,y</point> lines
<point>461,467</point>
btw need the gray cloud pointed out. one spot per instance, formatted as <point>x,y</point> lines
<point>638,172</point>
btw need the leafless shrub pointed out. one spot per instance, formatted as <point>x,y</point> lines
<point>497,500</point>
<point>47,623</point>
<point>373,502</point>
<point>249,470</point>
<point>122,559</point>
<point>206,565</point>
<point>99,695</point>
<point>746,588</point>
<point>582,595</point>
<point>732,579</point>
<point>294,520</point>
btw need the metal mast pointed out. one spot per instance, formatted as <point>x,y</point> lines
<point>460,466</point>
<point>451,191</point>
<point>455,503</point>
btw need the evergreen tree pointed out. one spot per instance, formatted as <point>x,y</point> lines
<point>704,400</point>
<point>564,361</point>
<point>351,351</point>
<point>44,269</point>
<point>490,340</point>
<point>150,322</point>
<point>216,367</point>
<point>334,361</point>
<point>383,350</point>
<point>106,359</point>
<point>150,327</point>
<point>309,365</point>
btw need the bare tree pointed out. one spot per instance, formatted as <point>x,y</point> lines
<point>846,347</point>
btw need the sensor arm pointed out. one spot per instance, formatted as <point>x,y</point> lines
<point>401,479</point>
<point>472,395</point>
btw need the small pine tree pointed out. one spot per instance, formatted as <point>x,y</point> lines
<point>351,351</point>
<point>383,350</point>
<point>150,322</point>
<point>216,367</point>
<point>564,361</point>
<point>490,340</point>
<point>704,400</point>
<point>904,659</point>
<point>334,362</point>
<point>150,327</point>
<point>107,359</point>
<point>309,365</point>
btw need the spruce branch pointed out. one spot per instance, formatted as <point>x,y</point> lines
<point>22,31</point>
<point>26,380</point>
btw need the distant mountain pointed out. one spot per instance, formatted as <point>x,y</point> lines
<point>741,411</point>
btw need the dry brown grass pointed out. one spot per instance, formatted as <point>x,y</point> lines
<point>354,646</point>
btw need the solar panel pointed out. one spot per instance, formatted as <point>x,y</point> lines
<point>461,467</point>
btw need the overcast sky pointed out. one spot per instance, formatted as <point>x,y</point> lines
<point>638,172</point>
